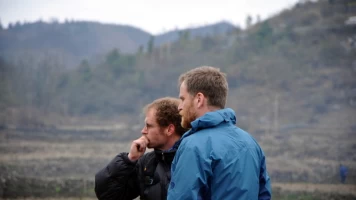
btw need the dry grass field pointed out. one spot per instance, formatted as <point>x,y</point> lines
<point>343,189</point>
<point>61,164</point>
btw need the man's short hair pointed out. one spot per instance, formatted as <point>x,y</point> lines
<point>209,81</point>
<point>167,113</point>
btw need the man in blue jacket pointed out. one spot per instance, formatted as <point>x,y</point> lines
<point>215,159</point>
<point>343,173</point>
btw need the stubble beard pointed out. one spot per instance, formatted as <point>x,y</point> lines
<point>185,123</point>
<point>149,143</point>
<point>187,117</point>
<point>157,145</point>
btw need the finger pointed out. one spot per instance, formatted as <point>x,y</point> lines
<point>139,145</point>
<point>145,140</point>
<point>135,146</point>
<point>142,146</point>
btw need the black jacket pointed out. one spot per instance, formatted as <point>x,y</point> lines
<point>148,177</point>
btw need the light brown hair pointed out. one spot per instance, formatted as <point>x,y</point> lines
<point>167,113</point>
<point>209,81</point>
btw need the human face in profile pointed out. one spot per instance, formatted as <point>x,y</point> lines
<point>186,107</point>
<point>155,134</point>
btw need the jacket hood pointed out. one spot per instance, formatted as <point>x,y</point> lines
<point>209,119</point>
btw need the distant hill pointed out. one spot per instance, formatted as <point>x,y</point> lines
<point>299,64</point>
<point>78,40</point>
<point>73,40</point>
<point>296,57</point>
<point>203,31</point>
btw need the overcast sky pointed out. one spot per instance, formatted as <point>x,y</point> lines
<point>154,16</point>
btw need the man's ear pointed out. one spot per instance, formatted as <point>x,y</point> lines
<point>171,129</point>
<point>200,98</point>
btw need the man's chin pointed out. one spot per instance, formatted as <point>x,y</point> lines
<point>186,125</point>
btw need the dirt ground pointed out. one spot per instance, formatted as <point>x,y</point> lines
<point>345,189</point>
<point>71,159</point>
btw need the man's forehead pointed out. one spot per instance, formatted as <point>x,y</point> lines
<point>182,90</point>
<point>183,85</point>
<point>150,115</point>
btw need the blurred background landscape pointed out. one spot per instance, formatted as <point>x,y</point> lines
<point>71,95</point>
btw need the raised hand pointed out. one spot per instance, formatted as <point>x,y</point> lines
<point>138,148</point>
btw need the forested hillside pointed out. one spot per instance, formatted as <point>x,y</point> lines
<point>72,41</point>
<point>303,57</point>
<point>291,78</point>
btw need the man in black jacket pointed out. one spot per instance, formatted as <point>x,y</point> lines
<point>148,175</point>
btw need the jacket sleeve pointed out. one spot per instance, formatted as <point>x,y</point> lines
<point>118,180</point>
<point>265,192</point>
<point>190,174</point>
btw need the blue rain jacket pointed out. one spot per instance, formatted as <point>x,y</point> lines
<point>219,161</point>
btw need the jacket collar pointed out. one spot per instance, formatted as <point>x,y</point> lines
<point>208,120</point>
<point>214,118</point>
<point>166,156</point>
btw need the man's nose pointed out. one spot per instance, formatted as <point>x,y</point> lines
<point>144,131</point>
<point>180,107</point>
